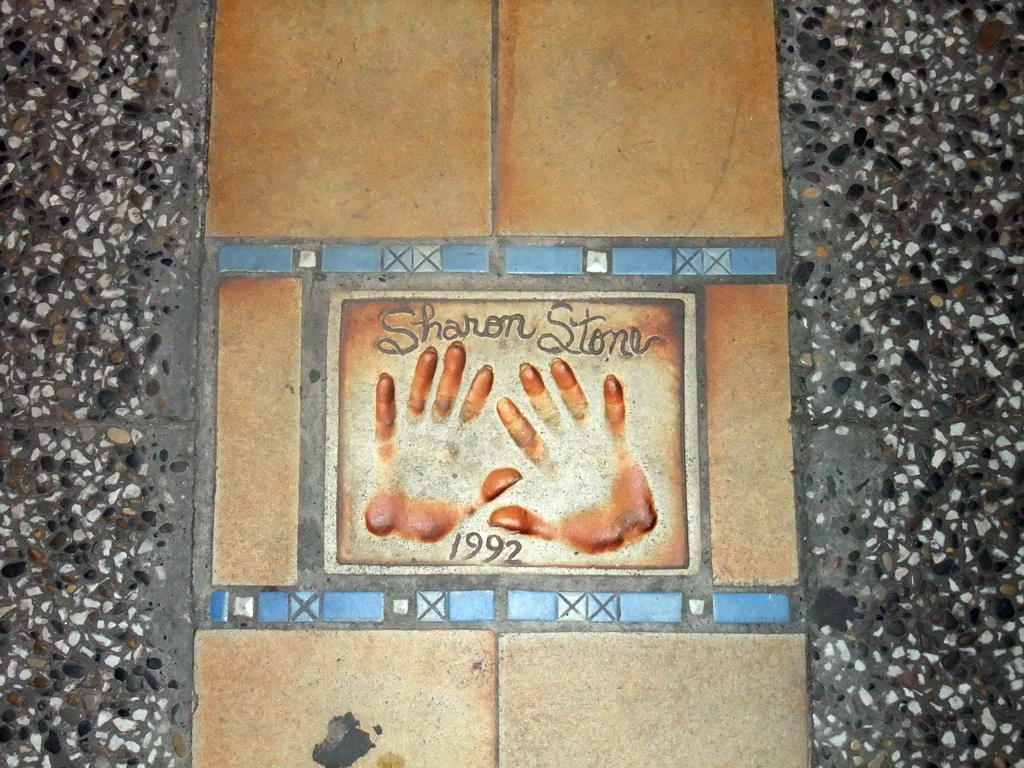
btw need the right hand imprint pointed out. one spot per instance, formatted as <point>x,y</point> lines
<point>627,515</point>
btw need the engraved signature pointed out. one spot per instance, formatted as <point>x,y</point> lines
<point>568,331</point>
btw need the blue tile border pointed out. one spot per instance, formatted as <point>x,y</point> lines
<point>406,258</point>
<point>465,258</point>
<point>352,606</point>
<point>750,607</point>
<point>277,606</point>
<point>303,606</point>
<point>572,606</point>
<point>219,606</point>
<point>410,258</point>
<point>297,606</point>
<point>723,261</point>
<point>687,261</point>
<point>524,605</point>
<point>350,258</point>
<point>455,606</point>
<point>642,261</point>
<point>706,261</point>
<point>471,605</point>
<point>544,259</point>
<point>254,258</point>
<point>273,606</point>
<point>646,607</point>
<point>754,261</point>
<point>603,606</point>
<point>656,607</point>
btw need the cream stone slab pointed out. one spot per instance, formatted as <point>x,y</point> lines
<point>333,118</point>
<point>638,118</point>
<point>750,449</point>
<point>256,507</point>
<point>653,700</point>
<point>272,697</point>
<point>648,346</point>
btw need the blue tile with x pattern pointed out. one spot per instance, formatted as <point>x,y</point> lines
<point>603,606</point>
<point>432,606</point>
<point>411,258</point>
<point>702,261</point>
<point>304,606</point>
<point>572,606</point>
<point>588,606</point>
<point>717,261</point>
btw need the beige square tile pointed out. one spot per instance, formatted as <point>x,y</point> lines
<point>354,119</point>
<point>750,449</point>
<point>653,118</point>
<point>272,697</point>
<point>652,700</point>
<point>256,511</point>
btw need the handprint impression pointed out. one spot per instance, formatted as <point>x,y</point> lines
<point>391,510</point>
<point>629,513</point>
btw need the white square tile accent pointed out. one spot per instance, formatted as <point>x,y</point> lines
<point>244,606</point>
<point>307,259</point>
<point>697,607</point>
<point>597,261</point>
<point>400,607</point>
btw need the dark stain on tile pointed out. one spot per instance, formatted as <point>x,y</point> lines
<point>345,743</point>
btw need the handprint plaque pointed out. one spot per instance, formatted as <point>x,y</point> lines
<point>494,430</point>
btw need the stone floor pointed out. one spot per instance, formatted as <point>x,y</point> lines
<point>169,591</point>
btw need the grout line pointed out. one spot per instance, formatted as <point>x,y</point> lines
<point>781,244</point>
<point>494,117</point>
<point>205,441</point>
<point>312,401</point>
<point>207,122</point>
<point>496,639</point>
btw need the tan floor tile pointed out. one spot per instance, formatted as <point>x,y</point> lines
<point>255,539</point>
<point>679,701</point>
<point>750,449</point>
<point>269,698</point>
<point>654,118</point>
<point>355,119</point>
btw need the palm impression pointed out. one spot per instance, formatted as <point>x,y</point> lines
<point>571,449</point>
<point>421,450</point>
